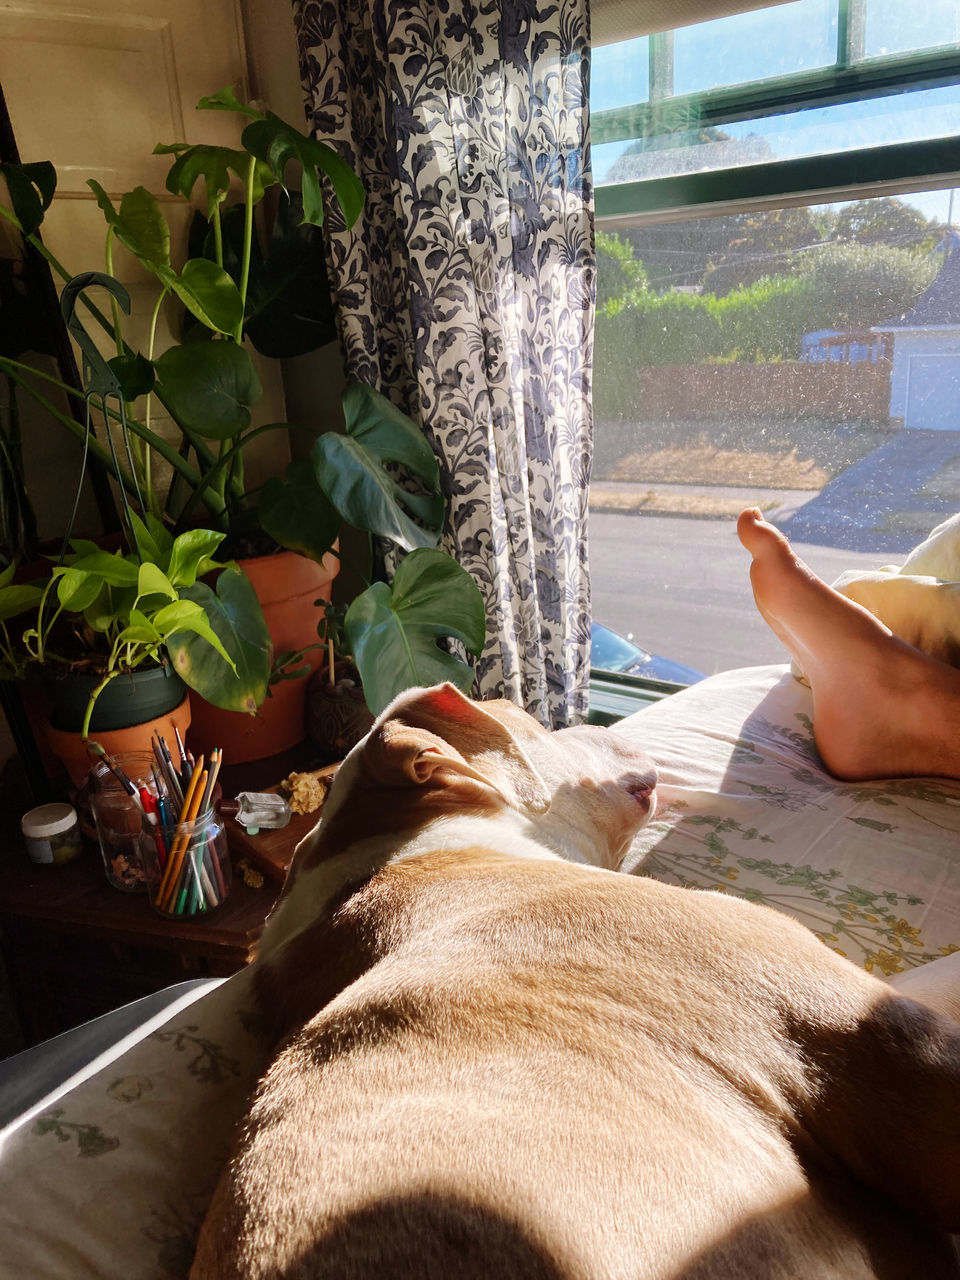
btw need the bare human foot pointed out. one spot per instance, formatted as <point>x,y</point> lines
<point>881,708</point>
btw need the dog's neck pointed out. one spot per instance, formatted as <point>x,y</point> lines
<point>332,868</point>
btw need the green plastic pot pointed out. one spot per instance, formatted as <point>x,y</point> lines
<point>127,700</point>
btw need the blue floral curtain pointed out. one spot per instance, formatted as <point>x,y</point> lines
<point>466,294</point>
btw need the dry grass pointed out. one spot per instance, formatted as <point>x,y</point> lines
<point>795,454</point>
<point>703,463</point>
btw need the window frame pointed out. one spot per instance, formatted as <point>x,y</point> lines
<point>853,76</point>
<point>848,175</point>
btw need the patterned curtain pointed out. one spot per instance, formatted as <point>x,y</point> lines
<point>466,292</point>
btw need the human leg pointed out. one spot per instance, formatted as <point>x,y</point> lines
<point>881,708</point>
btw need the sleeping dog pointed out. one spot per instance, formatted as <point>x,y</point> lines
<point>497,1058</point>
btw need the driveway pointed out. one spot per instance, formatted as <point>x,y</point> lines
<point>889,500</point>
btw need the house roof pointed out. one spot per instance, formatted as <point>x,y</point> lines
<point>939,306</point>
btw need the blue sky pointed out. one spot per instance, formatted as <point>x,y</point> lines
<point>788,38</point>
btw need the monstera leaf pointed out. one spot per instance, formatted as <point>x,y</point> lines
<point>139,224</point>
<point>276,143</point>
<point>295,512</point>
<point>393,631</point>
<point>209,387</point>
<point>235,616</point>
<point>31,189</point>
<point>352,470</point>
<point>214,165</point>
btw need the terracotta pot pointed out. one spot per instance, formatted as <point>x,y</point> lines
<point>287,586</point>
<point>70,748</point>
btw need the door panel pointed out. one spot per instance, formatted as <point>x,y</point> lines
<point>933,392</point>
<point>93,88</point>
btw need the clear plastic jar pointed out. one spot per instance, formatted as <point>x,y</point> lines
<point>51,833</point>
<point>187,868</point>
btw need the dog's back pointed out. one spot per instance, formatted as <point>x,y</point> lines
<point>544,1070</point>
<point>510,1066</point>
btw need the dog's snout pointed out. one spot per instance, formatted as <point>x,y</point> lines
<point>641,786</point>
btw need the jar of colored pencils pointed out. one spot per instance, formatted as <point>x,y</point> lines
<point>188,871</point>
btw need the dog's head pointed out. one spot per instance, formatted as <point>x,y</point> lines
<point>433,753</point>
<point>438,771</point>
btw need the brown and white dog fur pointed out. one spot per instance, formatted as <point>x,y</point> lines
<point>495,1061</point>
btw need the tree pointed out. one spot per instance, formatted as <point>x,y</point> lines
<point>858,286</point>
<point>883,220</point>
<point>761,244</point>
<point>676,145</point>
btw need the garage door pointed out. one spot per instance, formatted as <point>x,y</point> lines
<point>933,392</point>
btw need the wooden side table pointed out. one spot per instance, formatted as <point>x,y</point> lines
<point>73,947</point>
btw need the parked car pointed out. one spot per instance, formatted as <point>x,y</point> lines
<point>610,651</point>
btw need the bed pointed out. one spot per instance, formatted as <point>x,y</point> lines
<point>112,1149</point>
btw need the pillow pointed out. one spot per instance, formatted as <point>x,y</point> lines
<point>746,807</point>
<point>109,1177</point>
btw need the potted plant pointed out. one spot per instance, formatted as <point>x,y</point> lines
<point>102,615</point>
<point>233,289</point>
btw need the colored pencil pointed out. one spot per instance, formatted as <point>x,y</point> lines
<point>187,813</point>
<point>216,759</point>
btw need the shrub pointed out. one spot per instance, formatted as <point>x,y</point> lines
<point>621,278</point>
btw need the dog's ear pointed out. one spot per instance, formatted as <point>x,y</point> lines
<point>437,736</point>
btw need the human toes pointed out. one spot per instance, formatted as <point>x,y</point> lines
<point>756,534</point>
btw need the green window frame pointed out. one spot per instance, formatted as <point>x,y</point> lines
<point>876,171</point>
<point>852,77</point>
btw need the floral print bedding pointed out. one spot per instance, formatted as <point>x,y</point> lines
<point>746,807</point>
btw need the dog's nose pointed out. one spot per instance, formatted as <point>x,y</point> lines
<point>641,786</point>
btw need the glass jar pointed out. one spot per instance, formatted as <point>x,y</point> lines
<point>123,824</point>
<point>187,868</point>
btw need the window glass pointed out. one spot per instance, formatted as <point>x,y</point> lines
<point>806,360</point>
<point>895,27</point>
<point>850,126</point>
<point>620,74</point>
<point>752,46</point>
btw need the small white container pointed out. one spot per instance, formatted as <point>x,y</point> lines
<point>51,833</point>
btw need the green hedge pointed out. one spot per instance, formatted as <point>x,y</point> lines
<point>839,286</point>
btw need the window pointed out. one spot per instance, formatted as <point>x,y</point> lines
<point>778,315</point>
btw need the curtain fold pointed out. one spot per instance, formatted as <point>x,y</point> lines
<point>466,292</point>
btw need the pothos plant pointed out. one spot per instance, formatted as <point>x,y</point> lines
<point>233,289</point>
<point>111,613</point>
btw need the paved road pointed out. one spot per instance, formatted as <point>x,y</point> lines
<point>681,586</point>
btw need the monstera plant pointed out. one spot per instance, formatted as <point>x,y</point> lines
<point>238,288</point>
<point>391,630</point>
